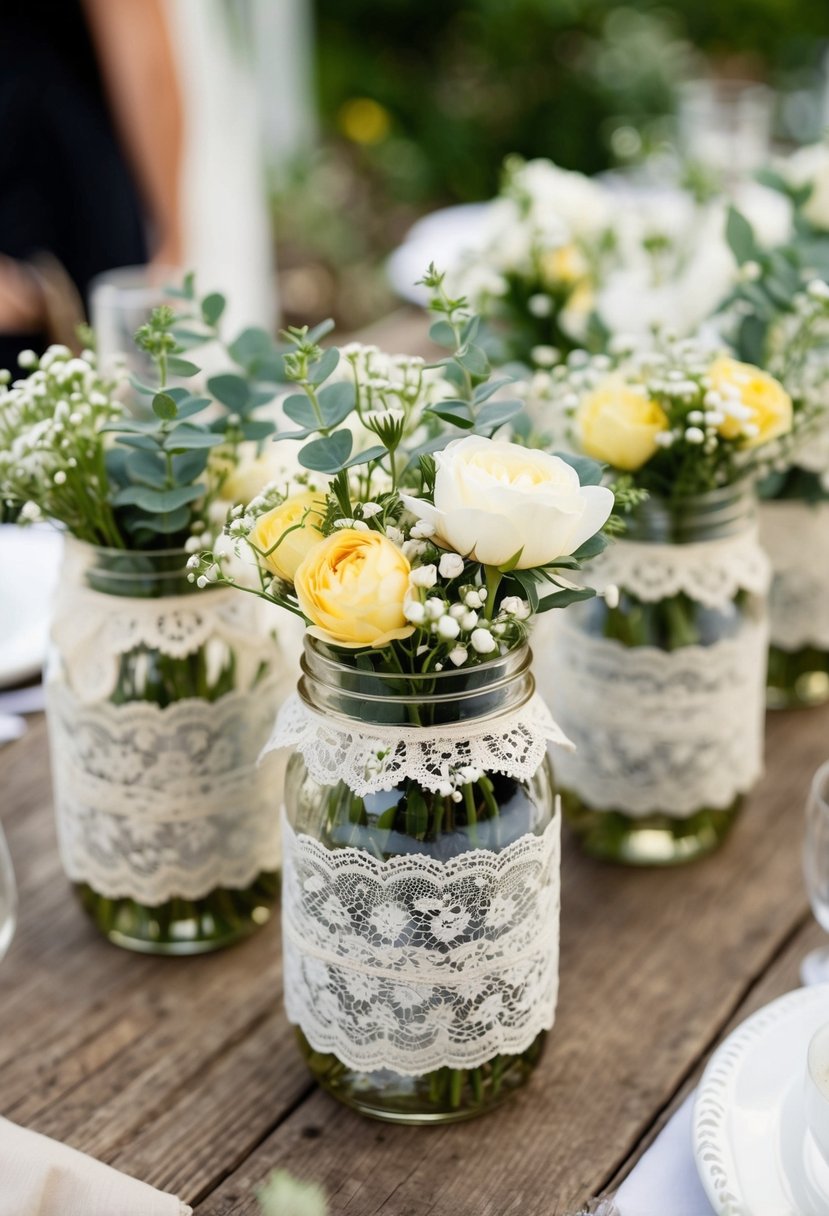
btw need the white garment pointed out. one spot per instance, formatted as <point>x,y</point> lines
<point>227,230</point>
<point>666,1179</point>
<point>40,1177</point>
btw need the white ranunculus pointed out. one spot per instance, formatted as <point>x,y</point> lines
<point>494,498</point>
<point>810,165</point>
<point>579,202</point>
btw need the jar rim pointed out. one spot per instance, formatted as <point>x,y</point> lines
<point>712,515</point>
<point>519,657</point>
<point>109,551</point>
<point>388,697</point>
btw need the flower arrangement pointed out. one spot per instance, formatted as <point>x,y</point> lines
<point>418,547</point>
<point>566,261</point>
<point>690,427</point>
<point>438,547</point>
<point>778,316</point>
<point>170,844</point>
<point>547,240</point>
<point>72,453</point>
<point>678,418</point>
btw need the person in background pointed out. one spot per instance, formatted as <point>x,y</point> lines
<point>91,135</point>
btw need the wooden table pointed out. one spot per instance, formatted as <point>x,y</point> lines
<point>185,1073</point>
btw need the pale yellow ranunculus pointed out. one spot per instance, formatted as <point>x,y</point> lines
<point>351,587</point>
<point>770,404</point>
<point>618,424</point>
<point>285,535</point>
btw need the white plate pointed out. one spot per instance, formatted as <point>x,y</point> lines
<point>440,238</point>
<point>29,565</point>
<point>753,1152</point>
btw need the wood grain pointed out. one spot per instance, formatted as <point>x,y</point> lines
<point>654,966</point>
<point>184,1072</point>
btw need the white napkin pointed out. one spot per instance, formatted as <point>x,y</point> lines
<point>40,1177</point>
<point>666,1178</point>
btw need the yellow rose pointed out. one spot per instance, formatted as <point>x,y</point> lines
<point>285,535</point>
<point>769,404</point>
<point>248,477</point>
<point>351,586</point>
<point>618,424</point>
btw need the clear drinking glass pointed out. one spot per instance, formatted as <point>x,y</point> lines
<point>121,301</point>
<point>815,966</point>
<point>8,897</point>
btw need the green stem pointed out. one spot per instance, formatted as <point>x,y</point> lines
<point>493,581</point>
<point>471,812</point>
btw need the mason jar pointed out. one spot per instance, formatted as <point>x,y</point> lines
<point>420,883</point>
<point>661,683</point>
<point>160,698</point>
<point>795,535</point>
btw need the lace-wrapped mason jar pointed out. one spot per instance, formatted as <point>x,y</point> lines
<point>795,534</point>
<point>159,699</point>
<point>420,883</point>
<point>664,694</point>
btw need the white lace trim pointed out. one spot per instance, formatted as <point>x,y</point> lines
<point>796,538</point>
<point>369,758</point>
<point>92,630</point>
<point>657,731</point>
<point>418,963</point>
<point>157,803</point>
<point>711,572</point>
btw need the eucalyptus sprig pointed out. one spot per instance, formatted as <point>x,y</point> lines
<point>76,454</point>
<point>467,367</point>
<point>360,410</point>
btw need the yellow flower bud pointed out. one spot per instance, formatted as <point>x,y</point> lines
<point>351,587</point>
<point>618,424</point>
<point>285,535</point>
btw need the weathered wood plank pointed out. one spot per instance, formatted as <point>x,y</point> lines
<point>782,976</point>
<point>171,1068</point>
<point>653,966</point>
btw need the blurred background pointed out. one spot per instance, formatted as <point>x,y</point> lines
<point>309,135</point>
<point>419,101</point>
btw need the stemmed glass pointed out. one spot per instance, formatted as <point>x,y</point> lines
<point>725,125</point>
<point>8,897</point>
<point>815,967</point>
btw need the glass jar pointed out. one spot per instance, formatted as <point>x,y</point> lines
<point>663,693</point>
<point>795,534</point>
<point>421,883</point>
<point>160,698</point>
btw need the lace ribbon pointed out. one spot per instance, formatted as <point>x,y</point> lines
<point>658,731</point>
<point>92,630</point>
<point>369,758</point>
<point>157,803</point>
<point>796,538</point>
<point>711,572</point>
<point>419,962</point>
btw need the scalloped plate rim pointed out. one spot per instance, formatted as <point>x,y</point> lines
<point>726,1195</point>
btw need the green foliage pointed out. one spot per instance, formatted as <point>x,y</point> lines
<point>161,485</point>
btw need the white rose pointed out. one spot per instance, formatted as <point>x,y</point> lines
<point>579,202</point>
<point>494,499</point>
